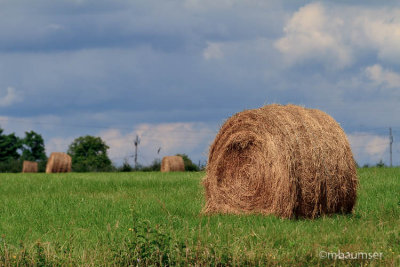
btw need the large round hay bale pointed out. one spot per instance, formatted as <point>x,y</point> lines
<point>58,162</point>
<point>29,166</point>
<point>172,164</point>
<point>284,160</point>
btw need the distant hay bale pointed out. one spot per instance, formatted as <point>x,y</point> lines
<point>172,164</point>
<point>29,166</point>
<point>58,162</point>
<point>284,160</point>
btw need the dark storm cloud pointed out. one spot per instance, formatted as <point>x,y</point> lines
<point>46,26</point>
<point>116,63</point>
<point>70,26</point>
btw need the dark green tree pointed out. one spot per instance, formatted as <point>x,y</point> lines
<point>89,153</point>
<point>9,156</point>
<point>126,167</point>
<point>189,165</point>
<point>33,147</point>
<point>380,164</point>
<point>9,146</point>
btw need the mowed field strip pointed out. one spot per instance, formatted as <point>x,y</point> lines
<point>155,218</point>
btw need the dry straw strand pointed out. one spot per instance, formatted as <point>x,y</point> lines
<point>172,164</point>
<point>58,162</point>
<point>284,160</point>
<point>29,166</point>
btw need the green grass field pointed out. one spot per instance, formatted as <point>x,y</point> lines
<point>155,219</point>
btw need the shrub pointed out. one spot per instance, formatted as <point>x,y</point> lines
<point>380,164</point>
<point>126,167</point>
<point>11,165</point>
<point>189,165</point>
<point>155,166</point>
<point>149,245</point>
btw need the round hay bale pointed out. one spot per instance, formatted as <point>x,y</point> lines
<point>172,164</point>
<point>284,160</point>
<point>58,162</point>
<point>29,166</point>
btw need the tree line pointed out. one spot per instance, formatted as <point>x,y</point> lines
<point>14,150</point>
<point>88,153</point>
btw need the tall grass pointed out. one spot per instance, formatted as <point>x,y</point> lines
<point>155,219</point>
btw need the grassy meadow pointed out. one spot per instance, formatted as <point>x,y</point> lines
<point>143,219</point>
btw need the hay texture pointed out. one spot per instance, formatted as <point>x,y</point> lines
<point>29,166</point>
<point>284,160</point>
<point>172,164</point>
<point>58,162</point>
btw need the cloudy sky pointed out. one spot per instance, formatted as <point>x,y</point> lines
<point>172,71</point>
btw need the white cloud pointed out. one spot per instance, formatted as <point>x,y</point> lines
<point>58,144</point>
<point>213,51</point>
<point>384,77</point>
<point>10,97</point>
<point>313,34</point>
<point>172,138</point>
<point>335,35</point>
<point>121,146</point>
<point>368,147</point>
<point>381,30</point>
<point>4,122</point>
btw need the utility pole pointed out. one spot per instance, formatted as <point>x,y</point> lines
<point>391,142</point>
<point>136,142</point>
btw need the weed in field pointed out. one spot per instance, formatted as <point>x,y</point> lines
<point>148,245</point>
